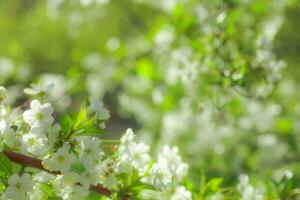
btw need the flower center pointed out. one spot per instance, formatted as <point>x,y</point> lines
<point>88,151</point>
<point>18,185</point>
<point>32,141</point>
<point>40,116</point>
<point>61,158</point>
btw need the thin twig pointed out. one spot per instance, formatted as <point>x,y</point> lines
<point>36,163</point>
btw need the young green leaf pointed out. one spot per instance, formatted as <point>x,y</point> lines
<point>81,117</point>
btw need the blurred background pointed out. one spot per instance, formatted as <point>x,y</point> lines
<point>217,78</point>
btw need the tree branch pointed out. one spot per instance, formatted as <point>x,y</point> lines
<point>36,163</point>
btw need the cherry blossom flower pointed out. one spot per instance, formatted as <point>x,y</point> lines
<point>39,115</point>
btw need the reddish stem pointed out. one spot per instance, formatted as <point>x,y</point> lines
<point>36,163</point>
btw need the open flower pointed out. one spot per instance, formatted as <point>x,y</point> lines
<point>247,191</point>
<point>18,187</point>
<point>107,173</point>
<point>88,178</point>
<point>35,143</point>
<point>100,113</point>
<point>10,137</point>
<point>39,89</point>
<point>177,168</point>
<point>62,160</point>
<point>39,115</point>
<point>97,107</point>
<point>127,138</point>
<point>132,154</point>
<point>91,152</point>
<point>137,155</point>
<point>181,194</point>
<point>159,175</point>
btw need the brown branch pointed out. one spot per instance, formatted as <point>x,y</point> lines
<point>100,189</point>
<point>36,163</point>
<point>24,160</point>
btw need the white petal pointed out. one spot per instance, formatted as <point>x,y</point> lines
<point>29,116</point>
<point>35,105</point>
<point>10,192</point>
<point>30,91</point>
<point>26,183</point>
<point>49,120</point>
<point>47,109</point>
<point>39,124</point>
<point>14,179</point>
<point>36,131</point>
<point>50,86</point>
<point>26,137</point>
<point>48,163</point>
<point>25,178</point>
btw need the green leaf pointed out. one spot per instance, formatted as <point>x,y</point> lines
<point>145,68</point>
<point>47,189</point>
<point>6,168</point>
<point>148,168</point>
<point>2,188</point>
<point>81,117</point>
<point>66,123</point>
<point>210,187</point>
<point>284,125</point>
<point>88,123</point>
<point>78,167</point>
<point>95,196</point>
<point>92,131</point>
<point>214,184</point>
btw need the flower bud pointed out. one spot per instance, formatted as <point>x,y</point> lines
<point>3,93</point>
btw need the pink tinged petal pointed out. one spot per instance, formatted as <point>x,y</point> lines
<point>35,105</point>
<point>29,116</point>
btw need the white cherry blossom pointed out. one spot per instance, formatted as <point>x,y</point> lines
<point>177,168</point>
<point>160,175</point>
<point>90,151</point>
<point>97,107</point>
<point>35,144</point>
<point>137,155</point>
<point>10,137</point>
<point>67,188</point>
<point>127,138</point>
<point>181,194</point>
<point>18,187</point>
<point>247,191</point>
<point>62,160</point>
<point>37,89</point>
<point>39,115</point>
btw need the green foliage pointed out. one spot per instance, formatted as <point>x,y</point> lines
<point>216,78</point>
<point>6,168</point>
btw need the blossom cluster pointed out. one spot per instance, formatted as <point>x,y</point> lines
<point>247,191</point>
<point>75,159</point>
